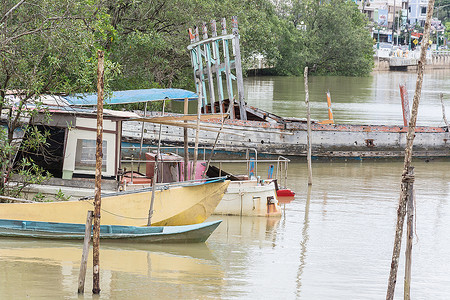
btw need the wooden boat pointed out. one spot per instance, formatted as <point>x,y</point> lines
<point>287,136</point>
<point>243,197</point>
<point>69,156</point>
<point>195,233</point>
<point>181,204</point>
<point>275,135</point>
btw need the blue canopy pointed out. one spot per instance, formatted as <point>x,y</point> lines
<point>133,96</point>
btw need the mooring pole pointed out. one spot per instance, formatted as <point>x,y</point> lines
<point>308,122</point>
<point>406,177</point>
<point>142,141</point>
<point>405,104</point>
<point>186,141</point>
<point>409,233</point>
<point>197,130</point>
<point>155,171</point>
<point>98,175</point>
<point>84,256</point>
<point>441,97</point>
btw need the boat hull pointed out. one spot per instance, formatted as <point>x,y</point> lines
<point>174,206</point>
<point>247,198</point>
<point>195,233</point>
<point>328,140</point>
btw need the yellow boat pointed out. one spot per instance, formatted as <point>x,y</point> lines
<point>180,205</point>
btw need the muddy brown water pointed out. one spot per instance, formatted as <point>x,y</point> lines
<point>332,243</point>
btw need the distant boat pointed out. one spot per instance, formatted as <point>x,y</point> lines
<point>250,127</point>
<point>196,233</point>
<point>175,204</point>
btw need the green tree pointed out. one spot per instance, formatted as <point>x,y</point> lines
<point>336,37</point>
<point>44,49</point>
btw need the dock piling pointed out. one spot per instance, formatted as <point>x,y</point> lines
<point>98,175</point>
<point>308,135</point>
<point>84,256</point>
<point>407,176</point>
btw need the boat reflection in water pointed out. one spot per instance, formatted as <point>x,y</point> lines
<point>50,270</point>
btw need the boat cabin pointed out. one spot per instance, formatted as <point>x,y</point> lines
<point>70,150</point>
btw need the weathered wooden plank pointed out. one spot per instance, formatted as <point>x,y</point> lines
<point>207,55</point>
<point>84,256</point>
<point>179,118</point>
<point>216,66</point>
<point>226,57</point>
<point>239,78</point>
<point>224,36</point>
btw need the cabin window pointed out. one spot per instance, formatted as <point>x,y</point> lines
<point>85,155</point>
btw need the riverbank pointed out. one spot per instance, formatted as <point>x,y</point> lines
<point>434,61</point>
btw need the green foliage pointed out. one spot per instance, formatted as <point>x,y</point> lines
<point>335,36</point>
<point>60,196</point>
<point>447,32</point>
<point>39,197</point>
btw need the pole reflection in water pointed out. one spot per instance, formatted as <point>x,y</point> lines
<point>50,270</point>
<point>336,245</point>
<point>305,239</point>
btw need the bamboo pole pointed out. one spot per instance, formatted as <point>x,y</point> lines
<point>155,172</point>
<point>98,175</point>
<point>215,143</point>
<point>142,141</point>
<point>186,142</point>
<point>406,176</point>
<point>308,135</point>
<point>84,256</point>
<point>199,110</point>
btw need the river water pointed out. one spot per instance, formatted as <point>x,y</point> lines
<point>332,242</point>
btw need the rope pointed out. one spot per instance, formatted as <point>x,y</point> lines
<point>117,215</point>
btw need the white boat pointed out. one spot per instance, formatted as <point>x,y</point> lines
<point>249,198</point>
<point>243,197</point>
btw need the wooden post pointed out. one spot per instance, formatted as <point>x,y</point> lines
<point>216,57</point>
<point>98,175</point>
<point>330,111</point>
<point>237,61</point>
<point>405,104</point>
<point>201,82</point>
<point>155,172</point>
<point>142,141</point>
<point>215,142</point>
<point>441,96</point>
<point>199,110</point>
<point>308,135</point>
<point>186,142</point>
<point>226,59</point>
<point>207,55</point>
<point>409,233</point>
<point>84,256</point>
<point>401,210</point>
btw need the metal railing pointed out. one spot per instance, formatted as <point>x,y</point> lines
<point>251,160</point>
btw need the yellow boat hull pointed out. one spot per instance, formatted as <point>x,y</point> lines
<point>181,205</point>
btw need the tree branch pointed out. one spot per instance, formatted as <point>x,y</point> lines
<point>11,10</point>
